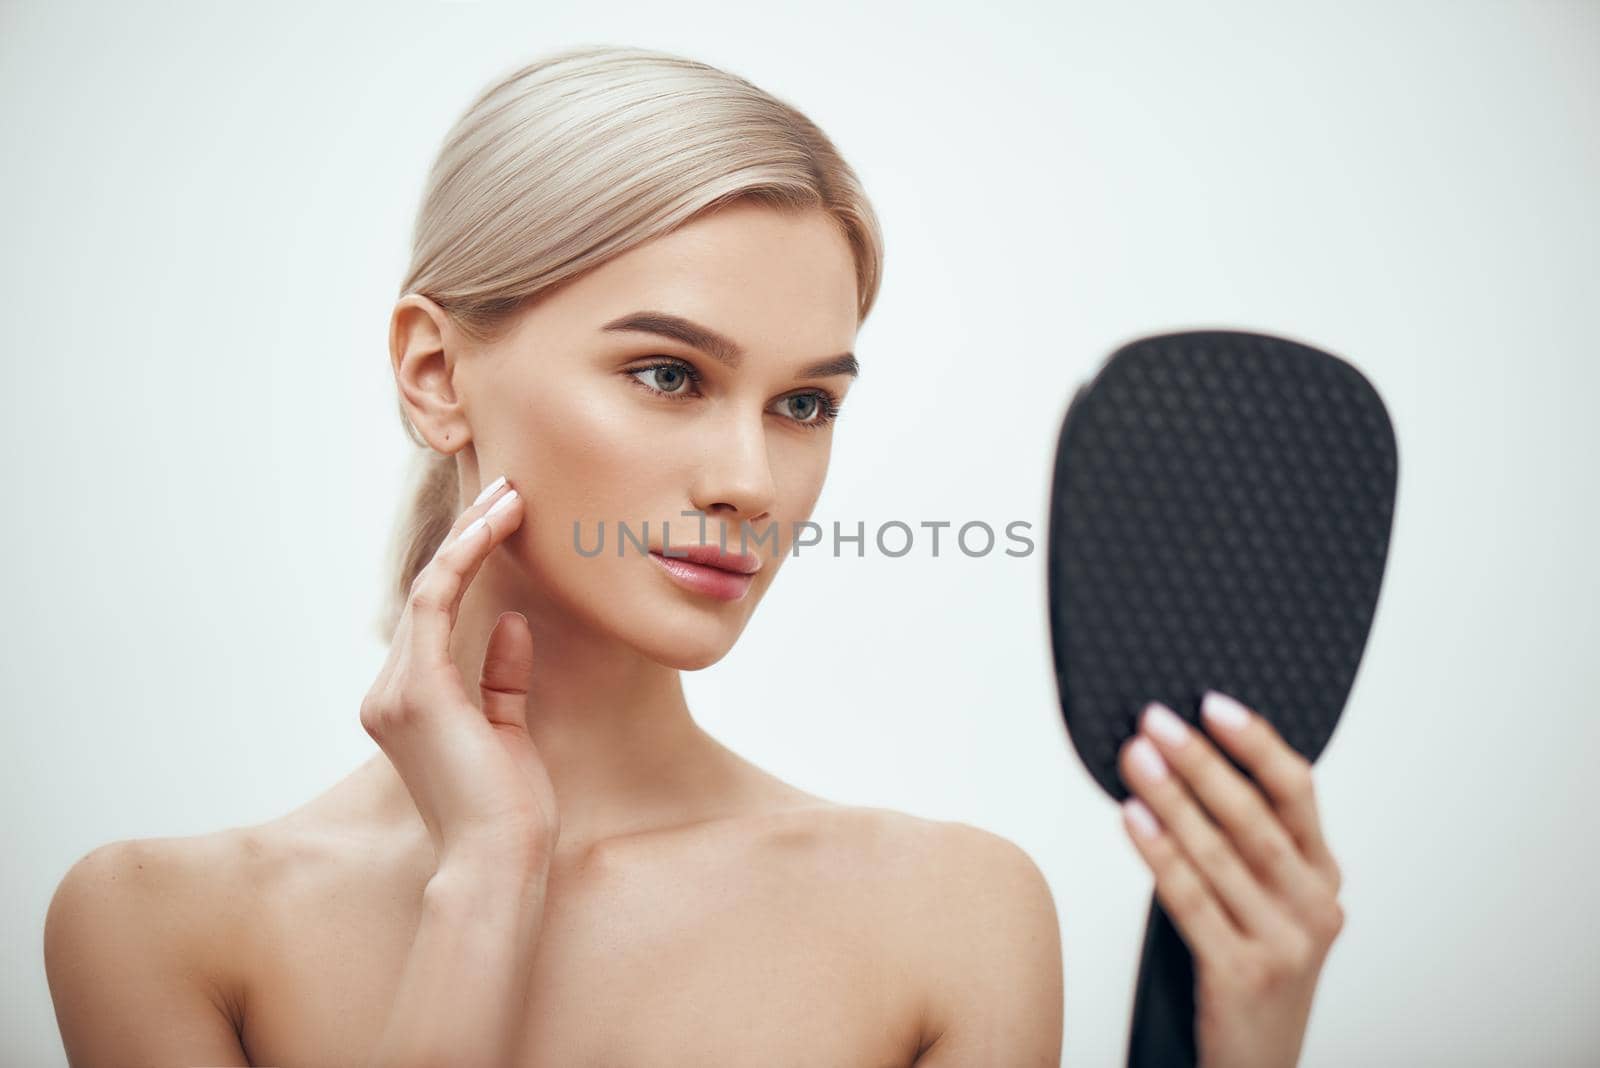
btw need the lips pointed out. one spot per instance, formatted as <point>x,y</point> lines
<point>712,556</point>
<point>708,571</point>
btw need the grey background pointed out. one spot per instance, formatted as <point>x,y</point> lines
<point>206,211</point>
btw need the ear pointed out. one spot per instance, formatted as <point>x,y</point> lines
<point>423,348</point>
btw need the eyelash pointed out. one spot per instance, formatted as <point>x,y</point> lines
<point>827,402</point>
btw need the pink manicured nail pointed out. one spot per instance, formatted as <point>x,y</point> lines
<point>503,505</point>
<point>1164,723</point>
<point>1224,711</point>
<point>1143,820</point>
<point>1147,760</point>
<point>488,491</point>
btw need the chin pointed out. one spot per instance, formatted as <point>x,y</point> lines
<point>685,636</point>
<point>687,649</point>
<point>670,627</point>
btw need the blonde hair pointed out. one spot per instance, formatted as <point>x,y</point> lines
<point>579,157</point>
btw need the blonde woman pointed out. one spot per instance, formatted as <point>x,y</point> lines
<point>636,282</point>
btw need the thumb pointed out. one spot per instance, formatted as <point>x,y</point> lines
<point>508,671</point>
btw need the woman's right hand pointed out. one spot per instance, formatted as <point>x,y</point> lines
<point>475,775</point>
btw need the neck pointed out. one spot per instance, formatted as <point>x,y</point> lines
<point>612,727</point>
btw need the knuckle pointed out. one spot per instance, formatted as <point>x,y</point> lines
<point>1297,775</point>
<point>433,583</point>
<point>394,708</point>
<point>1211,853</point>
<point>1295,955</point>
<point>1185,894</point>
<point>1332,921</point>
<point>418,581</point>
<point>427,596</point>
<point>375,714</point>
<point>1271,845</point>
<point>421,587</point>
<point>1285,958</point>
<point>1234,809</point>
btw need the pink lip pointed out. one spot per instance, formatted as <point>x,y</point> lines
<point>708,579</point>
<point>712,556</point>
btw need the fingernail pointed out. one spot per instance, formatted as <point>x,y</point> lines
<point>1224,711</point>
<point>489,490</point>
<point>1143,820</point>
<point>1147,760</point>
<point>1164,723</point>
<point>503,504</point>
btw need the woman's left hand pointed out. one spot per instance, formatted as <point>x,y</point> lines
<point>1243,872</point>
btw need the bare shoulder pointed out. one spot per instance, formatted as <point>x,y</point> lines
<point>934,862</point>
<point>972,915</point>
<point>134,945</point>
<point>183,891</point>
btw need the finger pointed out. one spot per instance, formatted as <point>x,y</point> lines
<point>1283,773</point>
<point>461,522</point>
<point>1239,808</point>
<point>485,500</point>
<point>1202,842</point>
<point>436,593</point>
<point>508,671</point>
<point>1197,914</point>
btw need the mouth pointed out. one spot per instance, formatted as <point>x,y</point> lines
<point>706,570</point>
<point>712,556</point>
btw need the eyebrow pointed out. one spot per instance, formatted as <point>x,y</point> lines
<point>719,347</point>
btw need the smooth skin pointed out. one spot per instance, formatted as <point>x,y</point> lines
<point>485,795</point>
<point>557,866</point>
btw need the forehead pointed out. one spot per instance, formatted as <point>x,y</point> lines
<point>776,282</point>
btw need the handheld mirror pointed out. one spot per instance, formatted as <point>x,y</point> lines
<point>1219,519</point>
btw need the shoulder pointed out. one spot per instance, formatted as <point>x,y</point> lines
<point>939,862</point>
<point>192,905</point>
<point>972,915</point>
<point>158,876</point>
<point>168,895</point>
<point>943,861</point>
<point>135,936</point>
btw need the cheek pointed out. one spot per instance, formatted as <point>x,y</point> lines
<point>800,478</point>
<point>594,461</point>
<point>591,455</point>
<point>585,466</point>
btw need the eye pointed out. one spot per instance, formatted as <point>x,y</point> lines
<point>678,380</point>
<point>667,379</point>
<point>814,409</point>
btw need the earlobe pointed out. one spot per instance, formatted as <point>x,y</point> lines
<point>422,348</point>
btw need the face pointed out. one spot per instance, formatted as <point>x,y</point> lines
<point>607,411</point>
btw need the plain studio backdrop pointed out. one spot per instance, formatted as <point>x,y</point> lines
<point>206,216</point>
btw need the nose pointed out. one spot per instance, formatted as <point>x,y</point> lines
<point>734,481</point>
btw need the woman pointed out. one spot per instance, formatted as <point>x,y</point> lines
<point>635,285</point>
